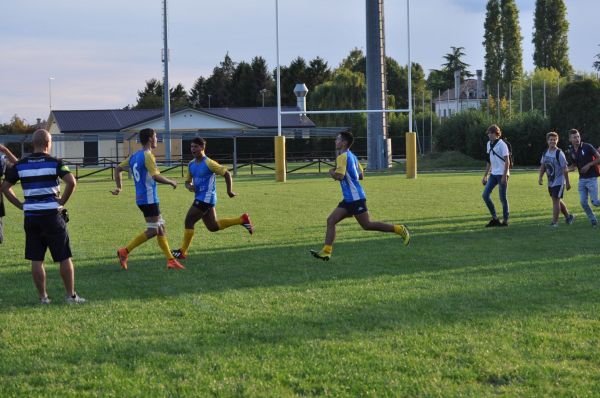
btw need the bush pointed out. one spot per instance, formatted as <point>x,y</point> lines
<point>578,106</point>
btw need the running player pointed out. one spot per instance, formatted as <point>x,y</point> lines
<point>348,171</point>
<point>201,179</point>
<point>145,174</point>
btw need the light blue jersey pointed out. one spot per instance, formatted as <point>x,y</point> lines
<point>203,175</point>
<point>143,167</point>
<point>347,165</point>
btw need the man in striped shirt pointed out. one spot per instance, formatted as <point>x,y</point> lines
<point>45,228</point>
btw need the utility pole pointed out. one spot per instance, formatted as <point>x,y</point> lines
<point>166,93</point>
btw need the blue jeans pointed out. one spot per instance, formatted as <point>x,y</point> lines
<point>494,180</point>
<point>588,186</point>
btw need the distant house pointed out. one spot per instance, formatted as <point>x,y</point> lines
<point>96,134</point>
<point>469,95</point>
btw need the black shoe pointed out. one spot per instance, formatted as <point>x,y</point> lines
<point>493,223</point>
<point>178,254</point>
<point>503,224</point>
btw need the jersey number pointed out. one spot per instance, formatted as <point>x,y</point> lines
<point>136,173</point>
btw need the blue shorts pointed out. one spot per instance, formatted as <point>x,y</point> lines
<point>354,208</point>
<point>557,191</point>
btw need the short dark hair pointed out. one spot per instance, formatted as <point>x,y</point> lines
<point>348,137</point>
<point>145,135</point>
<point>494,128</point>
<point>573,131</point>
<point>199,141</point>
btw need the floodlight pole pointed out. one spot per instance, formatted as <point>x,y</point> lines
<point>166,94</point>
<point>411,137</point>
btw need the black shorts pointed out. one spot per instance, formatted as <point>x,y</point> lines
<point>202,206</point>
<point>354,208</point>
<point>557,191</point>
<point>151,210</point>
<point>46,232</point>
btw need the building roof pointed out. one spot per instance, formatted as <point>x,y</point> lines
<point>468,90</point>
<point>115,120</point>
<point>102,119</point>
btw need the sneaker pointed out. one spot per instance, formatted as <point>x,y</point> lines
<point>246,223</point>
<point>321,255</point>
<point>503,224</point>
<point>493,223</point>
<point>178,254</point>
<point>594,223</point>
<point>404,234</point>
<point>45,300</point>
<point>554,225</point>
<point>76,299</point>
<point>123,254</point>
<point>174,264</point>
<point>570,218</point>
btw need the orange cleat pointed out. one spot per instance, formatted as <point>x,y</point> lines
<point>123,254</point>
<point>174,264</point>
<point>246,223</point>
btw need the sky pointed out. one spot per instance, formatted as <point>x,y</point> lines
<point>100,53</point>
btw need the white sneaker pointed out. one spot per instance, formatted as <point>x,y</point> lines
<point>75,299</point>
<point>45,300</point>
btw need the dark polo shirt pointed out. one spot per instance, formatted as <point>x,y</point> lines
<point>582,156</point>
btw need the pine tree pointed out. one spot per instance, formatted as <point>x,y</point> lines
<point>493,44</point>
<point>550,36</point>
<point>511,44</point>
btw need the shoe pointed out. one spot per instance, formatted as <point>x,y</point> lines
<point>493,223</point>
<point>594,223</point>
<point>554,225</point>
<point>404,234</point>
<point>321,255</point>
<point>178,254</point>
<point>123,254</point>
<point>503,224</point>
<point>174,264</point>
<point>45,300</point>
<point>246,223</point>
<point>74,299</point>
<point>570,218</point>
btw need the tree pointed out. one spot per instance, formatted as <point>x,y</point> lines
<point>296,72</point>
<point>151,97</point>
<point>596,64</point>
<point>550,36</point>
<point>317,72</point>
<point>244,88</point>
<point>454,62</point>
<point>263,80</point>
<point>512,53</point>
<point>219,84</point>
<point>578,106</point>
<point>493,44</point>
<point>198,97</point>
<point>178,97</point>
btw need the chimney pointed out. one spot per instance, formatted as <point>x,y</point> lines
<point>479,73</point>
<point>39,121</point>
<point>456,84</point>
<point>301,90</point>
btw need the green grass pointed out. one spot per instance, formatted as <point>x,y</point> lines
<point>463,311</point>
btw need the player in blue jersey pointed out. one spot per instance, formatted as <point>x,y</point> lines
<point>145,175</point>
<point>201,179</point>
<point>348,172</point>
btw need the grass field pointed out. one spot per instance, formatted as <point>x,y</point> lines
<point>463,311</point>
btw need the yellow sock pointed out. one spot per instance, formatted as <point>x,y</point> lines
<point>188,234</point>
<point>327,249</point>
<point>138,240</point>
<point>164,246</point>
<point>228,222</point>
<point>397,229</point>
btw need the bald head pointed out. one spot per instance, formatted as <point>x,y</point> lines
<point>41,141</point>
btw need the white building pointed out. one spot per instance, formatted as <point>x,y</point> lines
<point>469,94</point>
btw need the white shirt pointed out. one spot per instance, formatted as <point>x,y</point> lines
<point>498,162</point>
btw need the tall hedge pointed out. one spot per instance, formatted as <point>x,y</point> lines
<point>578,106</point>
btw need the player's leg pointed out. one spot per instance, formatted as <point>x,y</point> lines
<point>555,210</point>
<point>586,193</point>
<point>213,223</point>
<point>337,215</point>
<point>35,251</point>
<point>592,184</point>
<point>151,216</point>
<point>39,279</point>
<point>163,243</point>
<point>193,215</point>
<point>365,222</point>
<point>502,190</point>
<point>489,187</point>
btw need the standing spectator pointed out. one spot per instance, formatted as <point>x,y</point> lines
<point>6,159</point>
<point>554,164</point>
<point>584,158</point>
<point>45,226</point>
<point>497,171</point>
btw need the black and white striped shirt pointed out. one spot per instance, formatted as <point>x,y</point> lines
<point>39,175</point>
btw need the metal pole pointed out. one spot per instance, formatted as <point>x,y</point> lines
<point>410,109</point>
<point>558,85</point>
<point>50,91</point>
<point>531,91</point>
<point>234,156</point>
<point>431,123</point>
<point>498,101</point>
<point>544,98</point>
<point>278,68</point>
<point>166,94</point>
<point>521,97</point>
<point>509,100</point>
<point>209,95</point>
<point>423,123</point>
